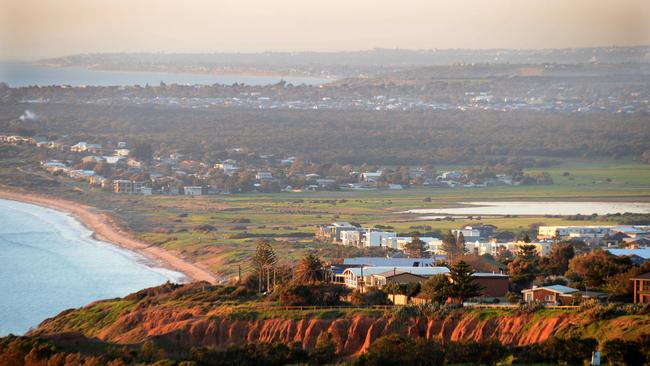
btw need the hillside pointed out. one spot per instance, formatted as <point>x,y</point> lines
<point>201,315</point>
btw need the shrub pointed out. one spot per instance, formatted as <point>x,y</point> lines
<point>321,294</point>
<point>530,307</point>
<point>621,352</point>
<point>372,296</point>
<point>325,351</point>
<point>206,228</point>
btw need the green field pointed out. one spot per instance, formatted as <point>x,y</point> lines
<point>174,222</point>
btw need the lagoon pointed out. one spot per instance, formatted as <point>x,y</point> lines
<point>50,262</point>
<point>535,208</point>
<point>19,74</point>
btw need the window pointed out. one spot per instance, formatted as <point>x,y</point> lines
<point>549,298</point>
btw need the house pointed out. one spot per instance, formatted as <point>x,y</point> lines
<point>373,237</point>
<point>263,176</point>
<point>558,295</point>
<point>80,146</point>
<point>593,232</point>
<point>122,186</point>
<point>371,177</point>
<point>641,288</point>
<point>636,243</point>
<point>351,238</point>
<point>389,262</point>
<point>492,284</point>
<point>452,175</point>
<point>226,168</point>
<point>638,255</point>
<point>115,160</point>
<point>395,276</point>
<point>193,190</point>
<point>122,152</point>
<point>83,146</point>
<point>333,232</point>
<point>469,233</point>
<point>358,277</point>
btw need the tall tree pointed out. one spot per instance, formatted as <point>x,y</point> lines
<point>524,268</point>
<point>451,248</point>
<point>460,241</point>
<point>309,270</point>
<point>462,285</point>
<point>263,262</point>
<point>557,262</point>
<point>416,248</point>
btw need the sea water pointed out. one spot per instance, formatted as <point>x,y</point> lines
<point>50,262</point>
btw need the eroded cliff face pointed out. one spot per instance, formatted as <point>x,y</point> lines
<point>353,334</point>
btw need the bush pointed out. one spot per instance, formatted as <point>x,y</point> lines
<point>206,228</point>
<point>620,352</point>
<point>320,294</point>
<point>395,350</point>
<point>572,351</point>
<point>253,354</point>
<point>372,296</point>
<point>325,351</point>
<point>530,307</point>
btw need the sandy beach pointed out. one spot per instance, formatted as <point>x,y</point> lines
<point>107,230</point>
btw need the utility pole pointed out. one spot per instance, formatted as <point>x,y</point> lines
<point>239,274</point>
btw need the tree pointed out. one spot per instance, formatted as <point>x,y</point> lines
<point>325,351</point>
<point>462,285</point>
<point>451,247</point>
<point>142,151</point>
<point>593,269</point>
<point>263,261</point>
<point>460,241</point>
<point>435,288</point>
<point>619,285</point>
<point>416,248</point>
<point>557,262</point>
<point>646,157</point>
<point>524,268</point>
<point>309,270</point>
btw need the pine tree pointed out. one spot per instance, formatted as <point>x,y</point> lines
<point>462,285</point>
<point>263,261</point>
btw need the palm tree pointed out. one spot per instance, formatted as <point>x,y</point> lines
<point>309,270</point>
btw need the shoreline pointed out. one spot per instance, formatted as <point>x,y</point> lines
<point>106,230</point>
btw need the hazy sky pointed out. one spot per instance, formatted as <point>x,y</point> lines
<point>44,28</point>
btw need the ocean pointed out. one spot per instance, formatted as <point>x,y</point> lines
<point>50,262</point>
<point>18,74</point>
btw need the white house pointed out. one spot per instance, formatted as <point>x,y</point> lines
<point>193,190</point>
<point>373,237</point>
<point>362,276</point>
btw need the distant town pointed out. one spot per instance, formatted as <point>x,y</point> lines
<point>121,168</point>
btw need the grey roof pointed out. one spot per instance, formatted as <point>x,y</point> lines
<point>420,271</point>
<point>641,252</point>
<point>391,262</point>
<point>554,288</point>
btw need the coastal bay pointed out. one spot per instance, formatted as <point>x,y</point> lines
<point>57,255</point>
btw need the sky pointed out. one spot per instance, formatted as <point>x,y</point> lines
<point>32,29</point>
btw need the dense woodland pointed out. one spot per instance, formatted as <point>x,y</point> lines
<point>346,137</point>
